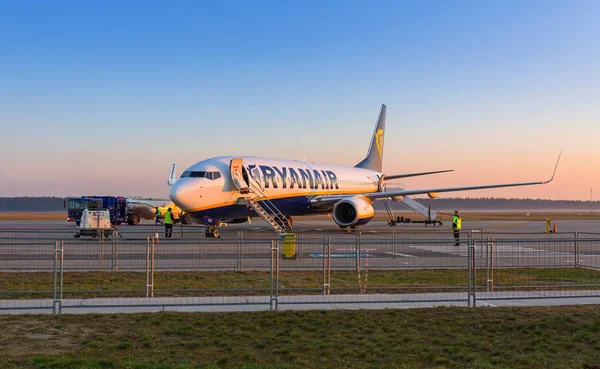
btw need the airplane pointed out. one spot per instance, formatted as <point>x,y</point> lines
<point>235,188</point>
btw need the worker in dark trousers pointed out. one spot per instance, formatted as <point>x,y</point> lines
<point>456,225</point>
<point>157,216</point>
<point>168,223</point>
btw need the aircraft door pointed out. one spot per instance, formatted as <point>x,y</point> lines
<point>255,177</point>
<point>236,169</point>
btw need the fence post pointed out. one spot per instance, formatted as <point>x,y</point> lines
<point>152,271</point>
<point>62,269</point>
<point>577,250</point>
<point>469,276</point>
<point>357,249</point>
<point>393,244</point>
<point>473,273</point>
<point>239,252</point>
<point>56,300</point>
<point>101,244</point>
<point>474,270</point>
<point>492,265</point>
<point>326,266</point>
<point>487,265</point>
<point>274,298</point>
<point>112,250</point>
<point>149,267</point>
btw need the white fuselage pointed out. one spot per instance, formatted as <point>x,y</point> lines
<point>207,188</point>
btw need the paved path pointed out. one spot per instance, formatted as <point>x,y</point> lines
<point>309,302</point>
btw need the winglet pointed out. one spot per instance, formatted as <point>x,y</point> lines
<point>171,180</point>
<point>555,167</point>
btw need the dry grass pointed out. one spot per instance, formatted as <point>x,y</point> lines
<point>25,215</point>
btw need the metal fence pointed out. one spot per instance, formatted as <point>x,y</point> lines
<point>51,270</point>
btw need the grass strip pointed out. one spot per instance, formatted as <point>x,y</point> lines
<point>20,285</point>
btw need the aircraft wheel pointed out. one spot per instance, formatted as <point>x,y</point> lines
<point>186,218</point>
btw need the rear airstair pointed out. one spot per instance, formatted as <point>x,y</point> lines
<point>253,196</point>
<point>413,205</point>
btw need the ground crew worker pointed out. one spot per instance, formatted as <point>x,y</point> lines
<point>157,215</point>
<point>168,223</point>
<point>456,225</point>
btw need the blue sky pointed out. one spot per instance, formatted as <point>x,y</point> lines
<point>101,96</point>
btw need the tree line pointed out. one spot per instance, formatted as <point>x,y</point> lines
<point>44,204</point>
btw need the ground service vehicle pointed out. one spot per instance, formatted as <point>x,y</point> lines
<point>95,223</point>
<point>116,206</point>
<point>146,208</point>
<point>121,209</point>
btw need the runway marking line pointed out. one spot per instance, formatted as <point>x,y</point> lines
<point>343,255</point>
<point>399,254</point>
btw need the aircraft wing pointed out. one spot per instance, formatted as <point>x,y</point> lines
<point>397,176</point>
<point>328,200</point>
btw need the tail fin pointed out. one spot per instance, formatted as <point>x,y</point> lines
<point>374,158</point>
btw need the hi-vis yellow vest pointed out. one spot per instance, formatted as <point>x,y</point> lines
<point>168,218</point>
<point>456,222</point>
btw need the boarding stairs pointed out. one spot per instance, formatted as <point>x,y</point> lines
<point>251,194</point>
<point>411,204</point>
<point>414,205</point>
<point>267,210</point>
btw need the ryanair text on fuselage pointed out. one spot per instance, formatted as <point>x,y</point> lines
<point>298,177</point>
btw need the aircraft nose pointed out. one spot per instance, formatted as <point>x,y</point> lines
<point>182,195</point>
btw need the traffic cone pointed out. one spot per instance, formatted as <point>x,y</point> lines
<point>156,239</point>
<point>554,228</point>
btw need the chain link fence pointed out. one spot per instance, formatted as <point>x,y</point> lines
<point>54,271</point>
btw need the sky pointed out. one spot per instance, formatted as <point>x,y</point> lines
<point>99,97</point>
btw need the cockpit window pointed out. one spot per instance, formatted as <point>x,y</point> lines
<point>200,174</point>
<point>195,174</point>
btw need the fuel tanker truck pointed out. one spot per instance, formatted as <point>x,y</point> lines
<point>122,209</point>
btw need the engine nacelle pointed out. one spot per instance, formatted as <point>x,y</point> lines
<point>353,211</point>
<point>433,195</point>
<point>398,198</point>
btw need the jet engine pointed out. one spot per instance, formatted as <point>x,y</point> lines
<point>353,211</point>
<point>433,195</point>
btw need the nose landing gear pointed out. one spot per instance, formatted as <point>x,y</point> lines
<point>211,232</point>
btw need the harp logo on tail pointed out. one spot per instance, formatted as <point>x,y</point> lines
<point>378,139</point>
